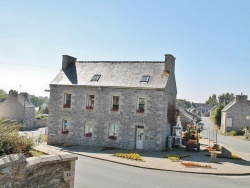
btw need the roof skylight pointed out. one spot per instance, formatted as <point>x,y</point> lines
<point>96,77</point>
<point>145,78</point>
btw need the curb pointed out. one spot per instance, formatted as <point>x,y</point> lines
<point>179,171</point>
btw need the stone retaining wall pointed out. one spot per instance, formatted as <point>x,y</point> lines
<point>55,170</point>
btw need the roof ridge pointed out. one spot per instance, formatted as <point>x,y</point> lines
<point>120,61</point>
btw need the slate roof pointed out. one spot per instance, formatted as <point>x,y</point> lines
<point>229,105</point>
<point>114,74</point>
<point>21,99</point>
<point>201,104</point>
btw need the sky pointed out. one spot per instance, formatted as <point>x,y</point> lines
<point>210,40</point>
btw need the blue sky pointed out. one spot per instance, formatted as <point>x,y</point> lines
<point>210,40</point>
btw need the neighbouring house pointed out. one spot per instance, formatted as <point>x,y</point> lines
<point>200,108</point>
<point>234,115</point>
<point>18,107</point>
<point>121,104</point>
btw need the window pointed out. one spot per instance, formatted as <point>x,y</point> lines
<point>115,103</point>
<point>90,102</point>
<point>113,129</point>
<point>67,100</point>
<point>145,78</point>
<point>140,105</point>
<point>65,126</point>
<point>96,77</point>
<point>88,129</point>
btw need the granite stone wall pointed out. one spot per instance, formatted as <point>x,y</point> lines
<point>154,118</point>
<point>55,171</point>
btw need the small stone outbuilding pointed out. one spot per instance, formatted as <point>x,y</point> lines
<point>18,107</point>
<point>112,103</point>
<point>234,115</point>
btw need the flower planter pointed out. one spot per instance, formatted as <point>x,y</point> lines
<point>66,106</point>
<point>65,132</point>
<point>88,134</point>
<point>139,111</point>
<point>89,107</point>
<point>112,137</point>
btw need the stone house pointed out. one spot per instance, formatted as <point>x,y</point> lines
<point>234,115</point>
<point>18,107</point>
<point>112,103</point>
<point>201,108</point>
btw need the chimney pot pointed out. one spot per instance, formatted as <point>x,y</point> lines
<point>169,63</point>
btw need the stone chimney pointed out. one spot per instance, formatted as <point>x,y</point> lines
<point>169,63</point>
<point>241,98</point>
<point>25,94</point>
<point>13,93</point>
<point>67,60</point>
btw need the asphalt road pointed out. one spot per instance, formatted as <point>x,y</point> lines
<point>97,173</point>
<point>230,141</point>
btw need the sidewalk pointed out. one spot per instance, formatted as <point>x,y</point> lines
<point>158,161</point>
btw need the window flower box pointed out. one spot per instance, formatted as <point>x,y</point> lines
<point>65,132</point>
<point>114,109</point>
<point>112,137</point>
<point>88,134</point>
<point>89,107</point>
<point>139,111</point>
<point>66,106</point>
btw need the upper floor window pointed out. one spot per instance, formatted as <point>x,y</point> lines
<point>65,126</point>
<point>140,105</point>
<point>96,77</point>
<point>90,102</point>
<point>113,130</point>
<point>88,129</point>
<point>145,78</point>
<point>115,103</point>
<point>67,101</point>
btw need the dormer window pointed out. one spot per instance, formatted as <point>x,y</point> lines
<point>96,77</point>
<point>145,78</point>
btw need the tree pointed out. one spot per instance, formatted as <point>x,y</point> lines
<point>3,95</point>
<point>212,100</point>
<point>225,98</point>
<point>184,104</point>
<point>216,117</point>
<point>38,101</point>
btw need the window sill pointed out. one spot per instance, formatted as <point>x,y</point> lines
<point>89,135</point>
<point>65,132</point>
<point>112,137</point>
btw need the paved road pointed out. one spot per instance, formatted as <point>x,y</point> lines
<point>97,173</point>
<point>228,141</point>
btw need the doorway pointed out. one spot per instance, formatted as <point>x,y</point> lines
<point>139,137</point>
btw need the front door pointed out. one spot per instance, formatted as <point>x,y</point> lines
<point>139,137</point>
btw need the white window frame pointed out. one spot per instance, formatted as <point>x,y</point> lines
<point>88,127</point>
<point>63,125</point>
<point>89,103</point>
<point>65,100</point>
<point>113,130</point>
<point>138,105</point>
<point>113,109</point>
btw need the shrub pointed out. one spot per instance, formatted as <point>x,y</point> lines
<point>233,133</point>
<point>189,164</point>
<point>174,157</point>
<point>42,117</point>
<point>11,141</point>
<point>133,156</point>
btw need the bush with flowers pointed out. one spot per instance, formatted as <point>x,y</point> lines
<point>11,141</point>
<point>133,156</point>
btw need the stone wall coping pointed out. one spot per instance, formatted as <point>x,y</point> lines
<point>5,160</point>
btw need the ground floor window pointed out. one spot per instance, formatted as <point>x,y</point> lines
<point>88,129</point>
<point>113,130</point>
<point>65,126</point>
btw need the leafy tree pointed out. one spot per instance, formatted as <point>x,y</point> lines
<point>38,101</point>
<point>184,104</point>
<point>216,117</point>
<point>225,98</point>
<point>3,95</point>
<point>212,100</point>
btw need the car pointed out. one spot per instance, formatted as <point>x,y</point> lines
<point>200,125</point>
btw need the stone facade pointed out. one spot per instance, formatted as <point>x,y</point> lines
<point>127,119</point>
<point>15,107</point>
<point>45,171</point>
<point>234,115</point>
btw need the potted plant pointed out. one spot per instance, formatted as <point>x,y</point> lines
<point>89,107</point>
<point>112,137</point>
<point>65,132</point>
<point>88,134</point>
